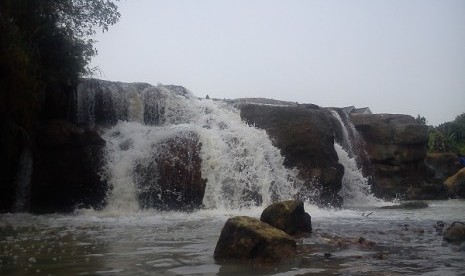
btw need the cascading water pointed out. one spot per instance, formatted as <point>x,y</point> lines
<point>241,166</point>
<point>346,140</point>
<point>356,189</point>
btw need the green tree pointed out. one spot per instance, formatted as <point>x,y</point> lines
<point>449,136</point>
<point>45,46</point>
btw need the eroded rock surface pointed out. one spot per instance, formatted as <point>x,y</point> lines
<point>249,239</point>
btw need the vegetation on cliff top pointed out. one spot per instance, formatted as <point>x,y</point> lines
<point>448,137</point>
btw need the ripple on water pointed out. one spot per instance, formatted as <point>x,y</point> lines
<point>406,242</point>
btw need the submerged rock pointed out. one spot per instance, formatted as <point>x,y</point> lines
<point>288,216</point>
<point>455,184</point>
<point>455,232</point>
<point>249,239</point>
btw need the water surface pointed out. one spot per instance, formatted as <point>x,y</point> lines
<point>394,242</point>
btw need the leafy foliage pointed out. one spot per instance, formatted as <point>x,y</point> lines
<point>448,137</point>
<point>45,46</point>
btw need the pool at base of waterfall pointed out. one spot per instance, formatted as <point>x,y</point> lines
<point>362,241</point>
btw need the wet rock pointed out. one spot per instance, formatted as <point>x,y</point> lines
<point>396,145</point>
<point>66,168</point>
<point>249,239</point>
<point>288,216</point>
<point>442,164</point>
<point>172,180</point>
<point>306,139</point>
<point>455,184</point>
<point>408,205</point>
<point>455,233</point>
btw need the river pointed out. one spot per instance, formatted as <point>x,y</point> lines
<point>397,242</point>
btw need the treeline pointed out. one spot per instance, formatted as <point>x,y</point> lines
<point>45,46</point>
<point>448,137</point>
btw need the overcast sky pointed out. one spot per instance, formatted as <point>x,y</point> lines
<point>394,56</point>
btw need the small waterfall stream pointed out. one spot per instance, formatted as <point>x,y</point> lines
<point>356,189</point>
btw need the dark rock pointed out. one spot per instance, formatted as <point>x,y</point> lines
<point>396,145</point>
<point>408,205</point>
<point>172,180</point>
<point>305,137</point>
<point>455,184</point>
<point>104,103</point>
<point>248,239</point>
<point>455,233</point>
<point>66,169</point>
<point>442,164</point>
<point>288,216</point>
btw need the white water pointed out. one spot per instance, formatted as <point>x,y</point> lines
<point>240,164</point>
<point>347,142</point>
<point>356,190</point>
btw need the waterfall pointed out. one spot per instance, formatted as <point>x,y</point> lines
<point>356,190</point>
<point>241,166</point>
<point>23,181</point>
<point>346,136</point>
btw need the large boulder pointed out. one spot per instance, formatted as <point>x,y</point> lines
<point>289,216</point>
<point>249,239</point>
<point>455,232</point>
<point>455,184</point>
<point>66,168</point>
<point>305,137</point>
<point>396,145</point>
<point>172,179</point>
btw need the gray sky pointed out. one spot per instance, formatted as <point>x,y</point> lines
<point>395,56</point>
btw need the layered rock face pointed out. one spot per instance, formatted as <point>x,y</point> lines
<point>305,137</point>
<point>396,145</point>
